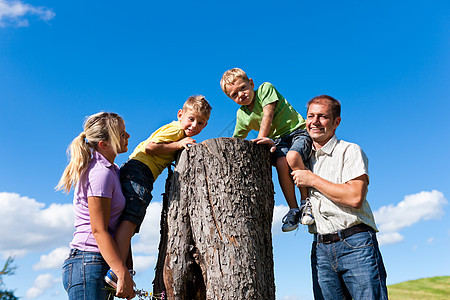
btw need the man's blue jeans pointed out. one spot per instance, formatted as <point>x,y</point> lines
<point>349,268</point>
<point>83,275</point>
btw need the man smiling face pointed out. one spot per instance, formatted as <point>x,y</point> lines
<point>320,123</point>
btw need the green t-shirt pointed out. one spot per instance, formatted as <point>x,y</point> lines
<point>285,119</point>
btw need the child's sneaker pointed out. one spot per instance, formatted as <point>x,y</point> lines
<point>111,278</point>
<point>290,220</point>
<point>306,213</point>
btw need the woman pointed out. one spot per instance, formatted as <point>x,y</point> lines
<point>98,203</point>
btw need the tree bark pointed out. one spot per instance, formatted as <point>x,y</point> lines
<point>216,240</point>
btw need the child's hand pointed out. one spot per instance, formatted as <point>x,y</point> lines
<point>265,141</point>
<point>184,143</point>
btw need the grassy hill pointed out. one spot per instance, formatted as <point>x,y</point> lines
<point>433,288</point>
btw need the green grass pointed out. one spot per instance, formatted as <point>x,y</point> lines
<point>433,288</point>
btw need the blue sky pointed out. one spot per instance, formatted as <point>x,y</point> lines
<point>387,61</point>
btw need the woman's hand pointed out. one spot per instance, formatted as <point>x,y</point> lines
<point>125,286</point>
<point>99,213</point>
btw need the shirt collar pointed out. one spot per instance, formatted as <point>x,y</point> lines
<point>100,158</point>
<point>328,147</point>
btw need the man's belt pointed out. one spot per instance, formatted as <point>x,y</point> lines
<point>342,234</point>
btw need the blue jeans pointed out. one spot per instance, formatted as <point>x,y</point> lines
<point>83,276</point>
<point>349,268</point>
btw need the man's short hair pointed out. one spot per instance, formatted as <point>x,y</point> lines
<point>325,99</point>
<point>230,77</point>
<point>199,105</point>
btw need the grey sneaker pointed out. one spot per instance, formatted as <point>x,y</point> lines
<point>306,213</point>
<point>290,220</point>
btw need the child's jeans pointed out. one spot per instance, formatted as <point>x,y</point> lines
<point>298,140</point>
<point>83,275</point>
<point>137,185</point>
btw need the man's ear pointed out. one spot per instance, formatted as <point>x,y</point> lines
<point>251,83</point>
<point>337,121</point>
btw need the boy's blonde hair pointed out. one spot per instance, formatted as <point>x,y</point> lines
<point>102,126</point>
<point>230,77</point>
<point>199,105</point>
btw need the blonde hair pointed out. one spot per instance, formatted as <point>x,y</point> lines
<point>199,105</point>
<point>102,126</point>
<point>230,77</point>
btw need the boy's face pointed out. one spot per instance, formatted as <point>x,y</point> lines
<point>191,122</point>
<point>241,91</point>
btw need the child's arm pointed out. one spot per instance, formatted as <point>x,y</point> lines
<point>266,122</point>
<point>163,148</point>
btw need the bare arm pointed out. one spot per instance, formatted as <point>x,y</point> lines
<point>350,193</point>
<point>163,148</point>
<point>266,122</point>
<point>99,212</point>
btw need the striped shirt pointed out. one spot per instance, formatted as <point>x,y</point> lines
<point>338,162</point>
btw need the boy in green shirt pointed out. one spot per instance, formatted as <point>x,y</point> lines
<point>266,111</point>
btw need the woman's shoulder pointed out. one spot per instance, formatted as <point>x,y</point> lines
<point>100,169</point>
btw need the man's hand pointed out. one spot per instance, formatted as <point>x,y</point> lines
<point>351,193</point>
<point>265,141</point>
<point>303,178</point>
<point>184,143</point>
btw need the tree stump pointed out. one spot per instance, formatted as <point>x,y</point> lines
<point>216,240</point>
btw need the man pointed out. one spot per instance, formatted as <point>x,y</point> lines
<point>345,259</point>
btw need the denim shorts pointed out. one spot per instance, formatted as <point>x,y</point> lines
<point>298,140</point>
<point>83,275</point>
<point>137,185</point>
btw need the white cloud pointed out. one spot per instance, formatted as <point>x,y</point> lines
<point>147,240</point>
<point>53,260</point>
<point>413,209</point>
<point>143,263</point>
<point>290,297</point>
<point>14,13</point>
<point>390,238</point>
<point>31,226</point>
<point>279,212</point>
<point>41,284</point>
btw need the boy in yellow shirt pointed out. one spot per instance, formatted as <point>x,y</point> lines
<point>147,162</point>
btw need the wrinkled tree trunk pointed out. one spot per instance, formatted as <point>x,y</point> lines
<point>216,240</point>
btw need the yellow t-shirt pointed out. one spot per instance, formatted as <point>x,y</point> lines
<point>169,133</point>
